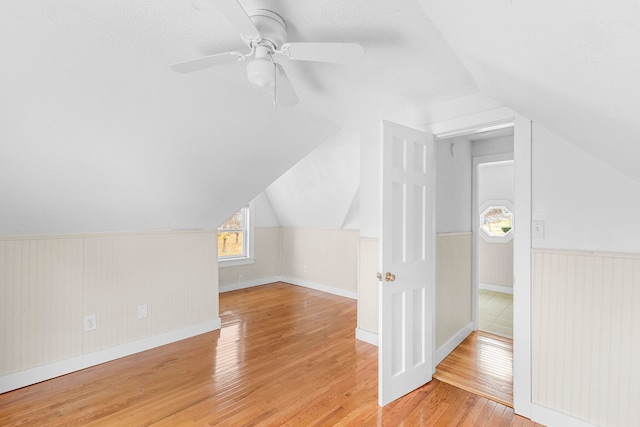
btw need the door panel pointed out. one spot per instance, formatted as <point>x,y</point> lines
<point>407,250</point>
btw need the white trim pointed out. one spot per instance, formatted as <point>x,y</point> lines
<point>455,233</point>
<point>602,254</point>
<point>466,124</point>
<point>522,140</point>
<point>42,373</point>
<point>232,262</point>
<point>291,281</point>
<point>366,336</point>
<point>551,418</point>
<point>496,288</point>
<point>451,345</point>
<point>522,241</point>
<point>318,287</point>
<point>248,284</point>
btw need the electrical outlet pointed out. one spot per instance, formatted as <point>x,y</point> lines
<point>306,270</point>
<point>240,277</point>
<point>90,322</point>
<point>142,311</point>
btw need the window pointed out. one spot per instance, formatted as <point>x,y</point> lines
<point>496,221</point>
<point>235,238</point>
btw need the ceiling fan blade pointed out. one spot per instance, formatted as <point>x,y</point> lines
<point>339,53</point>
<point>285,94</point>
<point>238,17</point>
<point>207,61</point>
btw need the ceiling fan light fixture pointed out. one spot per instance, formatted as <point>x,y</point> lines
<point>261,72</point>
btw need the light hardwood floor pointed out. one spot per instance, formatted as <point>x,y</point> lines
<point>481,364</point>
<point>285,356</point>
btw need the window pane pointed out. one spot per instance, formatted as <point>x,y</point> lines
<point>235,222</point>
<point>230,243</point>
<point>233,235</point>
<point>496,221</point>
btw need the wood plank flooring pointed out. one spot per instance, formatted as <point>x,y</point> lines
<point>285,356</point>
<point>481,364</point>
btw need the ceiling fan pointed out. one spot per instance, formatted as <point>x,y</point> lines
<point>265,33</point>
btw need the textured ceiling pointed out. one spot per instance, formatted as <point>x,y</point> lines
<point>98,134</point>
<point>571,66</point>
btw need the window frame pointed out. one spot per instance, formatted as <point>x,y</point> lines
<point>484,234</point>
<point>247,242</point>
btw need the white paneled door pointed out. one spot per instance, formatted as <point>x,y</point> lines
<point>407,261</point>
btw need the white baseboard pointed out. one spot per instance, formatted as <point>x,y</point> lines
<point>248,284</point>
<point>318,287</point>
<point>366,336</point>
<point>551,418</point>
<point>496,288</point>
<point>41,373</point>
<point>455,341</point>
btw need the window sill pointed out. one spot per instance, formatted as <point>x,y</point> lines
<point>235,261</point>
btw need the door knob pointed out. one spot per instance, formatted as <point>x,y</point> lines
<point>379,276</point>
<point>389,277</point>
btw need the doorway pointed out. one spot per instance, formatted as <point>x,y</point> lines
<point>475,189</point>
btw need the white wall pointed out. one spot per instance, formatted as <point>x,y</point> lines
<point>486,147</point>
<point>453,243</point>
<point>263,214</point>
<point>370,181</point>
<point>495,182</point>
<point>319,191</point>
<point>585,204</point>
<point>453,185</point>
<point>585,301</point>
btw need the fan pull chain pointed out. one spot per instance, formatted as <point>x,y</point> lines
<point>275,81</point>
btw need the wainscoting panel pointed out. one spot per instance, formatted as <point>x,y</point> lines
<point>368,285</point>
<point>330,256</point>
<point>495,263</point>
<point>174,274</point>
<point>48,284</point>
<point>586,335</point>
<point>453,285</point>
<point>40,301</point>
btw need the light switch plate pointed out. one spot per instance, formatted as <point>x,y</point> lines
<point>537,228</point>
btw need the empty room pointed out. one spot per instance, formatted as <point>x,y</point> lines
<point>269,212</point>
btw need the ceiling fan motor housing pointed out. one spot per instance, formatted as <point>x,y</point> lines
<point>273,33</point>
<point>272,28</point>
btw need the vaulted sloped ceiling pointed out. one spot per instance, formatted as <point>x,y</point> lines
<point>319,191</point>
<point>571,66</point>
<point>98,134</point>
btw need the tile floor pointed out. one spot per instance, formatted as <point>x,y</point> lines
<point>495,313</point>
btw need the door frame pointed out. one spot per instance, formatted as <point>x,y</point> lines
<point>522,237</point>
